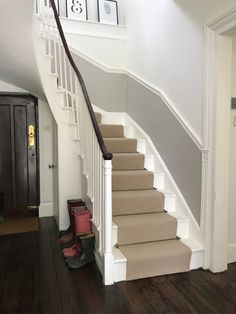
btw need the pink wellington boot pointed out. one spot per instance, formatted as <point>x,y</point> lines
<point>72,251</point>
<point>83,223</point>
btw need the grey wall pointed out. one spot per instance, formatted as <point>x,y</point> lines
<point>106,90</point>
<point>179,152</point>
<point>121,93</point>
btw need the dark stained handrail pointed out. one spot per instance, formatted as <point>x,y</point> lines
<point>106,154</point>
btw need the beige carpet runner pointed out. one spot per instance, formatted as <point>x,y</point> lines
<point>146,233</point>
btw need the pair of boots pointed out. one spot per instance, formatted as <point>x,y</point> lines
<point>67,236</point>
<point>84,252</point>
<point>77,242</point>
<point>80,223</point>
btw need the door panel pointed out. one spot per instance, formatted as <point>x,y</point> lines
<point>32,155</point>
<point>19,154</point>
<point>5,155</point>
<point>21,168</point>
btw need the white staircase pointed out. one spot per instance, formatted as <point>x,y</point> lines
<point>79,135</point>
<point>187,228</point>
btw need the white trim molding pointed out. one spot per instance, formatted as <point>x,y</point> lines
<point>46,210</point>
<point>216,139</point>
<point>156,90</point>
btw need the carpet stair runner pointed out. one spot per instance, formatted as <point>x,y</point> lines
<point>147,234</point>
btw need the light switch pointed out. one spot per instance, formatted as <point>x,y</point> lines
<point>233,103</point>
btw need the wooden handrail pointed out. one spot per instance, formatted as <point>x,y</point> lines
<point>106,154</point>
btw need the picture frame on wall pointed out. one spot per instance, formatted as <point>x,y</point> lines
<point>77,9</point>
<point>108,12</point>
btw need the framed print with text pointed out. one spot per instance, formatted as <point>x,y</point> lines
<point>77,9</point>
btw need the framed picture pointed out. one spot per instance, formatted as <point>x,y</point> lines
<point>77,9</point>
<point>108,12</point>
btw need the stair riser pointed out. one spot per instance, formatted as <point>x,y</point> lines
<point>112,131</point>
<point>182,230</point>
<point>145,234</point>
<point>120,266</point>
<point>128,163</point>
<point>133,205</point>
<point>128,146</point>
<point>131,182</point>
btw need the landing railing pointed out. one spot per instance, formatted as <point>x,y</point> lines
<point>96,158</point>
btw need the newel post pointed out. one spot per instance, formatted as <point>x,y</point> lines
<point>108,274</point>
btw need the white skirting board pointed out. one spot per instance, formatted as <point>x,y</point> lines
<point>46,210</point>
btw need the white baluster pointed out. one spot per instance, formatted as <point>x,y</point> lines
<point>60,63</point>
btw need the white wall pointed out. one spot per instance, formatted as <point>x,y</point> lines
<point>17,58</point>
<point>45,142</point>
<point>165,48</point>
<point>109,40</point>
<point>232,161</point>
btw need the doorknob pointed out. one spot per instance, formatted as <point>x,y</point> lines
<point>51,166</point>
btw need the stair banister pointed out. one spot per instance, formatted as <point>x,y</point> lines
<point>97,164</point>
<point>106,154</point>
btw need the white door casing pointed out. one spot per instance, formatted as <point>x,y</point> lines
<point>217,138</point>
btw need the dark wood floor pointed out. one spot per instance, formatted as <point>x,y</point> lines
<point>34,279</point>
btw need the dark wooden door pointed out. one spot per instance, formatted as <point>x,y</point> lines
<point>19,155</point>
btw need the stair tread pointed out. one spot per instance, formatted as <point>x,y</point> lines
<point>132,180</point>
<point>156,258</point>
<point>121,145</point>
<point>157,226</point>
<point>137,201</point>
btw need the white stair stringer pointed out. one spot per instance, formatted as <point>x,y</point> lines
<point>187,228</point>
<point>68,185</point>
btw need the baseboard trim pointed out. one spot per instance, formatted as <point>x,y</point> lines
<point>46,210</point>
<point>232,253</point>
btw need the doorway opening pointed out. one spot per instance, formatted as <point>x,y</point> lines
<point>218,125</point>
<point>19,157</point>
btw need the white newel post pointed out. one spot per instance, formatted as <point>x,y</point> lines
<point>107,235</point>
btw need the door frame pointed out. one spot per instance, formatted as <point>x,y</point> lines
<point>35,100</point>
<point>217,139</point>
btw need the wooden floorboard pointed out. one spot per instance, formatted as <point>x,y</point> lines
<point>35,280</point>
